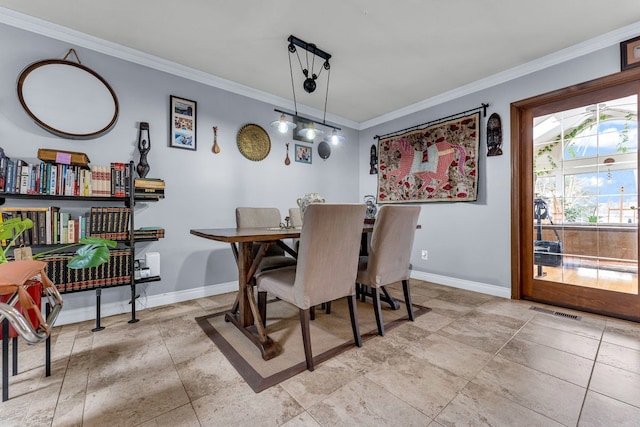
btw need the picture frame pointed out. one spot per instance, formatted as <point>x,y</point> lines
<point>630,53</point>
<point>303,153</point>
<point>182,123</point>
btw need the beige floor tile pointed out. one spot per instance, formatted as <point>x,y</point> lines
<point>239,405</point>
<point>183,416</point>
<point>622,333</point>
<point>457,358</point>
<point>479,406</point>
<point>185,339</point>
<point>616,383</point>
<point>487,332</point>
<point>505,307</point>
<point>601,411</point>
<point>446,308</point>
<point>432,321</point>
<point>542,393</point>
<point>560,364</point>
<point>620,357</point>
<point>309,388</point>
<point>422,385</point>
<point>590,327</point>
<point>364,403</point>
<point>303,420</point>
<point>216,303</point>
<point>464,297</point>
<point>559,339</point>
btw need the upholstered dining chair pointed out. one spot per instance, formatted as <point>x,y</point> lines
<point>326,269</point>
<point>295,217</point>
<point>264,218</point>
<point>389,255</point>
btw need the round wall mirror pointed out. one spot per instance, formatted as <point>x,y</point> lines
<point>68,99</point>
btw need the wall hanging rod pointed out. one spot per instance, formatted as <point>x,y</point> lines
<point>482,107</point>
<point>297,116</point>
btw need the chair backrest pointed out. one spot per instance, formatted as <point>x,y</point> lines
<point>391,244</point>
<point>260,218</point>
<point>295,217</point>
<point>328,253</point>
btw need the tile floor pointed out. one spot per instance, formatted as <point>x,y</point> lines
<point>474,360</point>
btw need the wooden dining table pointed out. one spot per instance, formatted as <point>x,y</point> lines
<point>244,314</point>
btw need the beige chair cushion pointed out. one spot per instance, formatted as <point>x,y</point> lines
<point>327,258</point>
<point>390,248</point>
<point>295,217</point>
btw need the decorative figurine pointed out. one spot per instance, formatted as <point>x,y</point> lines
<point>494,135</point>
<point>373,161</point>
<point>144,146</point>
<point>372,209</point>
<point>216,148</point>
<point>286,159</point>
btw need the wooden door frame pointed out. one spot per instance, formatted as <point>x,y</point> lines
<point>521,160</point>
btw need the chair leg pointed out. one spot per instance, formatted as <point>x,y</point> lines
<point>306,338</point>
<point>262,306</point>
<point>377,309</point>
<point>407,299</point>
<point>312,313</point>
<point>327,308</point>
<point>353,313</point>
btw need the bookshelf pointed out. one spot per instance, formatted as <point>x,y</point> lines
<point>120,269</point>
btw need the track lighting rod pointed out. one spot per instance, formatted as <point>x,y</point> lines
<point>307,119</point>
<point>309,47</point>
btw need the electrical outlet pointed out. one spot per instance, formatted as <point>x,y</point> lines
<point>425,254</point>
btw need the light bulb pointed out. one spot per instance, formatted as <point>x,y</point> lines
<point>334,137</point>
<point>311,132</point>
<point>282,126</point>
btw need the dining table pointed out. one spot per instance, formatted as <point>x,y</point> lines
<point>244,313</point>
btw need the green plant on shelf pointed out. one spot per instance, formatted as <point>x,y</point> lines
<point>91,252</point>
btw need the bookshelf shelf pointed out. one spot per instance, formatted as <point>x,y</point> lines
<point>148,279</point>
<point>119,271</point>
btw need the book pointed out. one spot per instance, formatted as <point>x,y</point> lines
<point>3,170</point>
<point>63,157</point>
<point>25,171</point>
<point>149,183</point>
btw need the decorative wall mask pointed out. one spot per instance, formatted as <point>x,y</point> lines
<point>494,135</point>
<point>373,161</point>
<point>68,99</point>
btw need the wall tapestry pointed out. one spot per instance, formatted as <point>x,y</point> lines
<point>438,163</point>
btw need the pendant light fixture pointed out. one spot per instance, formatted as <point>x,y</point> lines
<point>309,131</point>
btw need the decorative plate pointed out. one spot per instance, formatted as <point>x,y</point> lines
<point>254,142</point>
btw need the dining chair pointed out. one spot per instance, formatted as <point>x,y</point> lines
<point>264,218</point>
<point>295,217</point>
<point>389,255</point>
<point>326,269</point>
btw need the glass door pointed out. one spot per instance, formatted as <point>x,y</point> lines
<point>583,201</point>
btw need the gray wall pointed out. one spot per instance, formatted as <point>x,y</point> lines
<point>203,189</point>
<point>469,243</point>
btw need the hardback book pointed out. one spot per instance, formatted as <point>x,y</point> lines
<point>64,157</point>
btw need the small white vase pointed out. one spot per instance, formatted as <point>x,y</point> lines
<point>307,199</point>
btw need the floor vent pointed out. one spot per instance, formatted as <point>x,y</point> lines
<point>556,313</point>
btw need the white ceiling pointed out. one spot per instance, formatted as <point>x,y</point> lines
<point>386,55</point>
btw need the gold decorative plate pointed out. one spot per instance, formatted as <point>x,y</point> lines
<point>254,142</point>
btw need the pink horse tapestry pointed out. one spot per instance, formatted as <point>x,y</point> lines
<point>435,164</point>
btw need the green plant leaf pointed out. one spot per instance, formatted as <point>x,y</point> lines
<point>89,256</point>
<point>14,226</point>
<point>98,241</point>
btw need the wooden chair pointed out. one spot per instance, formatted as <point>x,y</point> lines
<point>326,269</point>
<point>389,255</point>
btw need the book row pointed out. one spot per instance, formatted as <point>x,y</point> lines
<point>148,233</point>
<point>116,272</point>
<point>55,179</point>
<point>51,226</point>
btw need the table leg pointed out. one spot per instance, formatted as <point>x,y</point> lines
<point>246,317</point>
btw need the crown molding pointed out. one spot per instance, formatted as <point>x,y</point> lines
<point>58,32</point>
<point>571,52</point>
<point>55,31</point>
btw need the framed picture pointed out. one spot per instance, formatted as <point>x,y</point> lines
<point>303,154</point>
<point>182,123</point>
<point>630,53</point>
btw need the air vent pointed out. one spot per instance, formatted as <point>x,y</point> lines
<point>556,313</point>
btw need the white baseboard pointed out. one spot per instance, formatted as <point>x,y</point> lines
<point>82,314</point>
<point>469,285</point>
<point>89,313</point>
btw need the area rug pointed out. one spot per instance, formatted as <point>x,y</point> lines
<point>330,335</point>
